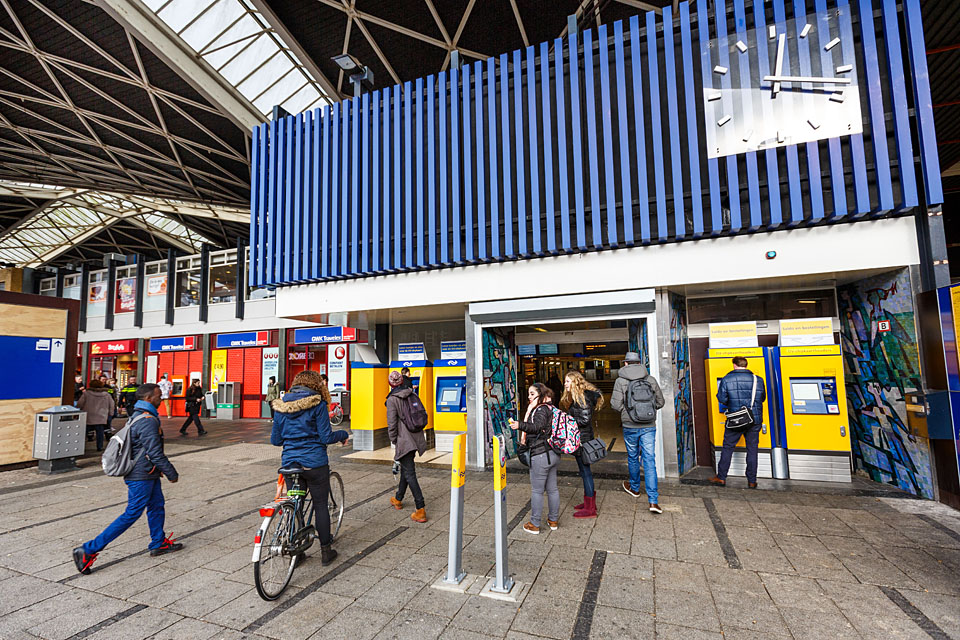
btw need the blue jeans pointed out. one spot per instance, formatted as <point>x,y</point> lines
<point>641,443</point>
<point>587,476</point>
<point>141,494</point>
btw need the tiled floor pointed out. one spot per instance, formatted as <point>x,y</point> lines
<point>718,563</point>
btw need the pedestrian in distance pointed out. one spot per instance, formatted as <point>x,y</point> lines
<point>301,425</point>
<point>273,393</point>
<point>114,392</point>
<point>537,424</point>
<point>582,400</point>
<point>193,404</point>
<point>99,405</point>
<point>637,396</point>
<point>143,484</point>
<point>406,418</point>
<point>165,388</point>
<point>128,396</point>
<point>78,388</point>
<point>738,389</point>
<point>407,381</point>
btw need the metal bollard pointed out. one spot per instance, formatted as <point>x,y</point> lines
<point>458,473</point>
<point>503,583</point>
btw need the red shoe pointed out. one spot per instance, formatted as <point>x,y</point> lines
<point>169,546</point>
<point>83,560</point>
<point>589,508</point>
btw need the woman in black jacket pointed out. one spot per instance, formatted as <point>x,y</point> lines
<point>193,404</point>
<point>543,460</point>
<point>582,401</point>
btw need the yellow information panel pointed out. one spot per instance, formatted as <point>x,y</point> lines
<point>218,367</point>
<point>458,471</point>
<point>499,467</point>
<point>719,363</point>
<point>814,399</point>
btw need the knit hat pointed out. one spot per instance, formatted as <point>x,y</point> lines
<point>632,356</point>
<point>395,379</point>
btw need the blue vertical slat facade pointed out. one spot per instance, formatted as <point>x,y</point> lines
<point>487,166</point>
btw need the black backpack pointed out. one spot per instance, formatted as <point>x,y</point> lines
<point>412,413</point>
<point>641,401</point>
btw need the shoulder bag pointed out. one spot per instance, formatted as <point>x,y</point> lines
<point>743,417</point>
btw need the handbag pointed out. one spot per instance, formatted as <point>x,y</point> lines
<point>743,418</point>
<point>593,451</point>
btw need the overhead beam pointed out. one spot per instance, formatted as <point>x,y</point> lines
<point>171,48</point>
<point>643,6</point>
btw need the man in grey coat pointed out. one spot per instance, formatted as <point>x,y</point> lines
<point>637,396</point>
<point>408,444</point>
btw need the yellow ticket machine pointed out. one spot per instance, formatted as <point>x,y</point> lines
<point>814,413</point>
<point>450,401</point>
<point>421,374</point>
<point>368,413</point>
<point>718,364</point>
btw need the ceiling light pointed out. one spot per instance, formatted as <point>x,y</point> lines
<point>347,62</point>
<point>540,330</point>
<point>808,301</point>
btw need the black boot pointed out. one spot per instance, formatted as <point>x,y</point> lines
<point>327,555</point>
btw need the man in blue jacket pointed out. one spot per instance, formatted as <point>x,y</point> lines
<point>735,392</point>
<point>143,483</point>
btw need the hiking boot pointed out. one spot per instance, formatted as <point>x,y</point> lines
<point>752,485</point>
<point>420,515</point>
<point>589,509</point>
<point>169,546</point>
<point>717,480</point>
<point>655,508</point>
<point>83,560</point>
<point>396,503</point>
<point>553,525</point>
<point>626,487</point>
<point>531,528</point>
<point>327,554</point>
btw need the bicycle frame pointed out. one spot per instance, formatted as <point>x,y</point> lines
<point>295,495</point>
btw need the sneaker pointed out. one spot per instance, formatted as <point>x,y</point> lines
<point>183,432</point>
<point>396,503</point>
<point>628,489</point>
<point>553,525</point>
<point>169,546</point>
<point>752,485</point>
<point>654,507</point>
<point>202,433</point>
<point>531,528</point>
<point>83,560</point>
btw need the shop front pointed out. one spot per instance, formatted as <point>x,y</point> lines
<point>181,358</point>
<point>114,359</point>
<point>247,358</point>
<point>325,350</point>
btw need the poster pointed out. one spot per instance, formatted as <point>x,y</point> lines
<point>98,293</point>
<point>270,367</point>
<point>157,285</point>
<point>218,368</point>
<point>337,366</point>
<point>126,300</point>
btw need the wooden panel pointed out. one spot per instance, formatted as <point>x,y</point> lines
<point>16,427</point>
<point>33,322</point>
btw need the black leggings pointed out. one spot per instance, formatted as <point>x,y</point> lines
<point>318,481</point>
<point>194,417</point>
<point>408,476</point>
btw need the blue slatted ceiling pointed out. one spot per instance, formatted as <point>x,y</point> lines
<point>488,162</point>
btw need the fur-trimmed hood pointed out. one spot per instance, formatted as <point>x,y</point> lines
<point>296,400</point>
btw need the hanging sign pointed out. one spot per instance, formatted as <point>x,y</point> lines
<point>337,365</point>
<point>411,351</point>
<point>806,332</point>
<point>726,335</point>
<point>453,350</point>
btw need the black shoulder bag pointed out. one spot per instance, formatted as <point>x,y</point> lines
<point>743,417</point>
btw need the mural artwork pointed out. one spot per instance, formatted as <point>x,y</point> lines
<point>637,340</point>
<point>881,368</point>
<point>682,403</point>
<point>499,387</point>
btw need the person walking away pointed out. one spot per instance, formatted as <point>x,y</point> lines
<point>77,388</point>
<point>537,425</point>
<point>128,397</point>
<point>98,404</point>
<point>143,484</point>
<point>741,388</point>
<point>407,444</point>
<point>165,388</point>
<point>301,425</point>
<point>193,404</point>
<point>582,400</point>
<point>273,393</point>
<point>637,396</point>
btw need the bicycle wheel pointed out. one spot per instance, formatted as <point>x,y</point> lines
<point>272,572</point>
<point>335,503</point>
<point>337,416</point>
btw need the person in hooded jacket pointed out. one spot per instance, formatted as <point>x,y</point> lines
<point>582,400</point>
<point>99,405</point>
<point>301,425</point>
<point>640,439</point>
<point>408,444</point>
<point>536,424</point>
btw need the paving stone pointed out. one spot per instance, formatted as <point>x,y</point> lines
<point>355,582</point>
<point>305,617</point>
<point>453,633</point>
<point>389,595</point>
<point>618,564</point>
<point>682,576</point>
<point>188,628</point>
<point>798,592</point>
<point>686,609</point>
<point>665,549</point>
<point>437,602</point>
<point>142,624</point>
<point>610,623</point>
<point>22,591</point>
<point>413,625</point>
<point>240,612</point>
<point>924,569</point>
<point>942,609</point>
<point>76,611</point>
<point>748,613</point>
<point>355,623</point>
<point>131,585</point>
<point>485,615</point>
<point>551,618</point>
<point>758,551</point>
<point>675,632</point>
<point>827,626</point>
<point>746,584</point>
<point>196,581</point>
<point>203,601</point>
<point>552,582</point>
<point>423,567</point>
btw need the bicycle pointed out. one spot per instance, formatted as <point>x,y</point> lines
<point>287,531</point>
<point>336,413</point>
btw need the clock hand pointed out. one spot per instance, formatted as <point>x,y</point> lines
<point>777,79</point>
<point>778,65</point>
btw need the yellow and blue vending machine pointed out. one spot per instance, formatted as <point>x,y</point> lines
<point>450,401</point>
<point>421,375</point>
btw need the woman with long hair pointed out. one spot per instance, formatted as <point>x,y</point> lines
<point>582,400</point>
<point>301,425</point>
<point>536,425</point>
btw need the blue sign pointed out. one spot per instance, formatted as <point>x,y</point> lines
<point>527,349</point>
<point>548,349</point>
<point>244,339</point>
<point>323,335</point>
<point>183,343</point>
<point>411,351</point>
<point>38,372</point>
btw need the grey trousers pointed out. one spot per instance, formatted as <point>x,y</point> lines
<point>543,477</point>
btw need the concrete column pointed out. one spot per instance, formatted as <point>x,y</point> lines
<point>667,374</point>
<point>205,369</point>
<point>476,447</point>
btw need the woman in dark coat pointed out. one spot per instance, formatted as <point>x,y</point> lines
<point>193,404</point>
<point>408,445</point>
<point>582,401</point>
<point>536,425</point>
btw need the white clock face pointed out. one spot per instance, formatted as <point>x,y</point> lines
<point>789,83</point>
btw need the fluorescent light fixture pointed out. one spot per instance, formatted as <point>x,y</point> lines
<point>808,301</point>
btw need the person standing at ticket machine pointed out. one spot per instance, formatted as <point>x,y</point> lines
<point>739,389</point>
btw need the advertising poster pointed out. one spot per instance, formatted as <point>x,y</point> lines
<point>337,366</point>
<point>218,368</point>
<point>126,299</point>
<point>157,285</point>
<point>270,366</point>
<point>98,293</point>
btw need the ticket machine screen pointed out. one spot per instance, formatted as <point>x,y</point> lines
<point>817,396</point>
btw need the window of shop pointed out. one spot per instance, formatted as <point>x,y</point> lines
<point>254,292</point>
<point>97,294</point>
<point>71,287</point>
<point>787,305</point>
<point>125,298</point>
<point>48,287</point>
<point>223,276</point>
<point>155,294</point>
<point>188,281</point>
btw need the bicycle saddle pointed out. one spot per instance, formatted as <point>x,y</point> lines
<point>288,471</point>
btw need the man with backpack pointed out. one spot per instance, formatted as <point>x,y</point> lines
<point>143,480</point>
<point>740,389</point>
<point>637,396</point>
<point>406,418</point>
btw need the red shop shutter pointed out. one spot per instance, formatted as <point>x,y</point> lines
<point>234,365</point>
<point>252,365</point>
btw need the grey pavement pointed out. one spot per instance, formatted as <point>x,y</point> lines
<point>718,563</point>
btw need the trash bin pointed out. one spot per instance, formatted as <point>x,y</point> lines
<point>210,402</point>
<point>228,400</point>
<point>59,436</point>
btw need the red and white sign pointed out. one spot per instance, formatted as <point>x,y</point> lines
<point>299,356</point>
<point>883,326</point>
<point>337,365</point>
<point>116,346</point>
